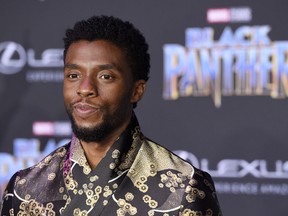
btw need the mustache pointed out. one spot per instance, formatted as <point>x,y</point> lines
<point>82,103</point>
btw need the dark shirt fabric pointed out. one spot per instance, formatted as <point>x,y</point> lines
<point>136,177</point>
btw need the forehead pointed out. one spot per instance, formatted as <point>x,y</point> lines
<point>95,50</point>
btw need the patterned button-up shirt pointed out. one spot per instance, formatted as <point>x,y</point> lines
<point>136,177</point>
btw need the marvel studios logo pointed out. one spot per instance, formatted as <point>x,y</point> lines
<point>51,128</point>
<point>229,15</point>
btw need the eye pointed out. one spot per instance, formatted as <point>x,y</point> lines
<point>106,77</point>
<point>73,76</point>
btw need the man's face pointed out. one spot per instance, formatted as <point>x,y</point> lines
<point>99,90</point>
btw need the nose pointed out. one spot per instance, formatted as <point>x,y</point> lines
<point>87,88</point>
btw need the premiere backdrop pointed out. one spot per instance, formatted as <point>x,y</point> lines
<point>217,95</point>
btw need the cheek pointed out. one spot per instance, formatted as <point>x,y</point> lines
<point>68,93</point>
<point>115,99</point>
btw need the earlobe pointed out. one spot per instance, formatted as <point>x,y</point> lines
<point>139,89</point>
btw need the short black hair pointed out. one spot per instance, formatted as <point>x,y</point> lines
<point>121,33</point>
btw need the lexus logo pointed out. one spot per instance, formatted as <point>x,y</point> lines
<point>12,57</point>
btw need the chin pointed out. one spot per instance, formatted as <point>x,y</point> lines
<point>87,125</point>
<point>87,122</point>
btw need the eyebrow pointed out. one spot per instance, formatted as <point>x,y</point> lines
<point>107,66</point>
<point>71,66</point>
<point>101,67</point>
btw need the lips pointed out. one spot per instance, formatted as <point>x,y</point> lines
<point>84,110</point>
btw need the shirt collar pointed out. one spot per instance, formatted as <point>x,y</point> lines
<point>115,154</point>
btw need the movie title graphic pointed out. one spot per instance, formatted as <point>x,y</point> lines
<point>243,62</point>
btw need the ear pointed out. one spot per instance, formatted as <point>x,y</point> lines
<point>138,91</point>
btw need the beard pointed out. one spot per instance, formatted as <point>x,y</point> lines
<point>98,132</point>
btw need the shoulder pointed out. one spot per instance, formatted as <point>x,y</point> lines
<point>49,163</point>
<point>167,160</point>
<point>55,156</point>
<point>168,170</point>
<point>164,158</point>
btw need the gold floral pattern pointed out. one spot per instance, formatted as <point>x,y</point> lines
<point>136,177</point>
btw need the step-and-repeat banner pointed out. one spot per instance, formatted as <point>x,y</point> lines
<point>217,95</point>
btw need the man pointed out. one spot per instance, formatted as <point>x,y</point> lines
<point>109,167</point>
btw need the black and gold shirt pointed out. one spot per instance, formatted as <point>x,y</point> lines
<point>136,177</point>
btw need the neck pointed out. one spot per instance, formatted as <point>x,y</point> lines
<point>95,151</point>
